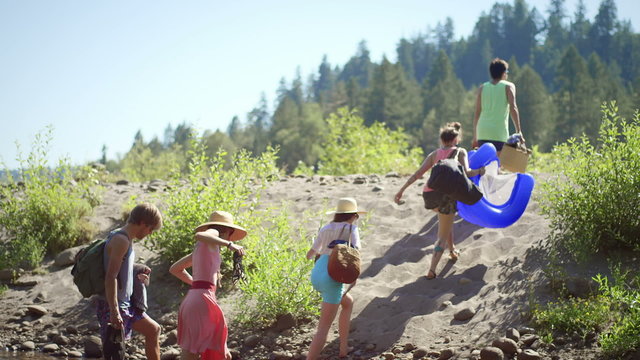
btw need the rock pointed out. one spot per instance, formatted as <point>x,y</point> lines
<point>392,174</point>
<point>408,347</point>
<point>447,354</point>
<point>171,339</point>
<point>464,281</point>
<point>359,180</point>
<point>526,330</point>
<point>235,354</point>
<point>580,287</point>
<point>171,354</point>
<point>419,353</point>
<point>36,310</point>
<point>60,339</point>
<point>491,353</point>
<point>122,182</point>
<point>370,347</point>
<point>529,354</point>
<point>508,346</point>
<point>50,348</point>
<point>251,341</point>
<point>465,314</point>
<point>41,297</point>
<point>513,334</point>
<point>74,354</point>
<point>72,330</point>
<point>446,304</point>
<point>528,339</point>
<point>67,257</point>
<point>9,274</point>
<point>28,346</point>
<point>92,347</point>
<point>280,355</point>
<point>285,321</point>
<point>388,355</point>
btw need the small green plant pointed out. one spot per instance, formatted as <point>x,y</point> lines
<point>45,209</point>
<point>210,184</point>
<point>542,162</point>
<point>574,315</point>
<point>3,289</point>
<point>350,147</point>
<point>593,200</point>
<point>277,270</point>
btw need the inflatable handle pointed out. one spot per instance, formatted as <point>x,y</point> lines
<point>485,214</point>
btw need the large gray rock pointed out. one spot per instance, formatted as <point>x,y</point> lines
<point>172,338</point>
<point>285,321</point>
<point>529,354</point>
<point>67,257</point>
<point>513,334</point>
<point>37,310</point>
<point>251,341</point>
<point>171,354</point>
<point>507,345</point>
<point>465,314</point>
<point>92,347</point>
<point>491,353</point>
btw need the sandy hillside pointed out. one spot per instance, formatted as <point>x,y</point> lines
<point>395,304</point>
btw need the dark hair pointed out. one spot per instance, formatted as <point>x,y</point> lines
<point>147,214</point>
<point>343,217</point>
<point>450,132</point>
<point>221,228</point>
<point>497,68</point>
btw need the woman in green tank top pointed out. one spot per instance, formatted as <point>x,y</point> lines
<point>495,102</point>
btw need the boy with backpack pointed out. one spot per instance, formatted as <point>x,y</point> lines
<point>116,311</point>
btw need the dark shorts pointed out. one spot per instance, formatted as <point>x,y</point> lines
<point>129,316</point>
<point>440,201</point>
<point>497,144</point>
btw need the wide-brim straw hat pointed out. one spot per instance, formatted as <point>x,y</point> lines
<point>223,218</point>
<point>347,206</point>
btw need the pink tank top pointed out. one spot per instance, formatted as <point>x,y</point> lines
<point>206,263</point>
<point>440,154</point>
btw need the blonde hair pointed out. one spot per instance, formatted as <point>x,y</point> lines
<point>147,214</point>
<point>450,132</point>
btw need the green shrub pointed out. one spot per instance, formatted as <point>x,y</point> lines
<point>206,187</point>
<point>141,164</point>
<point>593,200</point>
<point>45,211</point>
<point>277,270</point>
<point>574,315</point>
<point>352,148</point>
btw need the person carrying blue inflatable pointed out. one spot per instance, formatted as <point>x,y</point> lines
<point>437,201</point>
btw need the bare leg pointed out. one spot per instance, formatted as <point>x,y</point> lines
<point>151,332</point>
<point>344,323</point>
<point>327,315</point>
<point>445,234</point>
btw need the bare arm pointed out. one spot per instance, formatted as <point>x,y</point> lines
<point>426,165</point>
<point>476,117</point>
<point>211,237</point>
<point>513,108</point>
<point>464,160</point>
<point>178,269</point>
<point>116,250</point>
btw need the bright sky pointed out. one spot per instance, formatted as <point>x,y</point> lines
<point>99,71</point>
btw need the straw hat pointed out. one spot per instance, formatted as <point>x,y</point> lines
<point>225,219</point>
<point>347,206</point>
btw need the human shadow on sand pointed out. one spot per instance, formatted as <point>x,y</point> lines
<point>383,321</point>
<point>413,247</point>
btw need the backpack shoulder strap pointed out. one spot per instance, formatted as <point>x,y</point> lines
<point>454,153</point>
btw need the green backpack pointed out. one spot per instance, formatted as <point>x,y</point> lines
<point>88,271</point>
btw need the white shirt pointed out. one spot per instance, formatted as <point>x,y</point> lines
<point>335,231</point>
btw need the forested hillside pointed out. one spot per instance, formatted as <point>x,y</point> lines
<point>563,64</point>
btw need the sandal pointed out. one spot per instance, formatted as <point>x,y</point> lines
<point>429,275</point>
<point>454,254</point>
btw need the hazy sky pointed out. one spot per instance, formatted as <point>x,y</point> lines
<point>99,71</point>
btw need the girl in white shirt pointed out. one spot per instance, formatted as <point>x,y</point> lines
<point>341,230</point>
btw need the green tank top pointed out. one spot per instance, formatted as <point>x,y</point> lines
<point>493,123</point>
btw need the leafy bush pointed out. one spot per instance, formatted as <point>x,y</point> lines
<point>206,187</point>
<point>44,210</point>
<point>277,270</point>
<point>352,148</point>
<point>614,313</point>
<point>141,164</point>
<point>593,199</point>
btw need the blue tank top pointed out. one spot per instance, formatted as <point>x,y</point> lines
<point>125,275</point>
